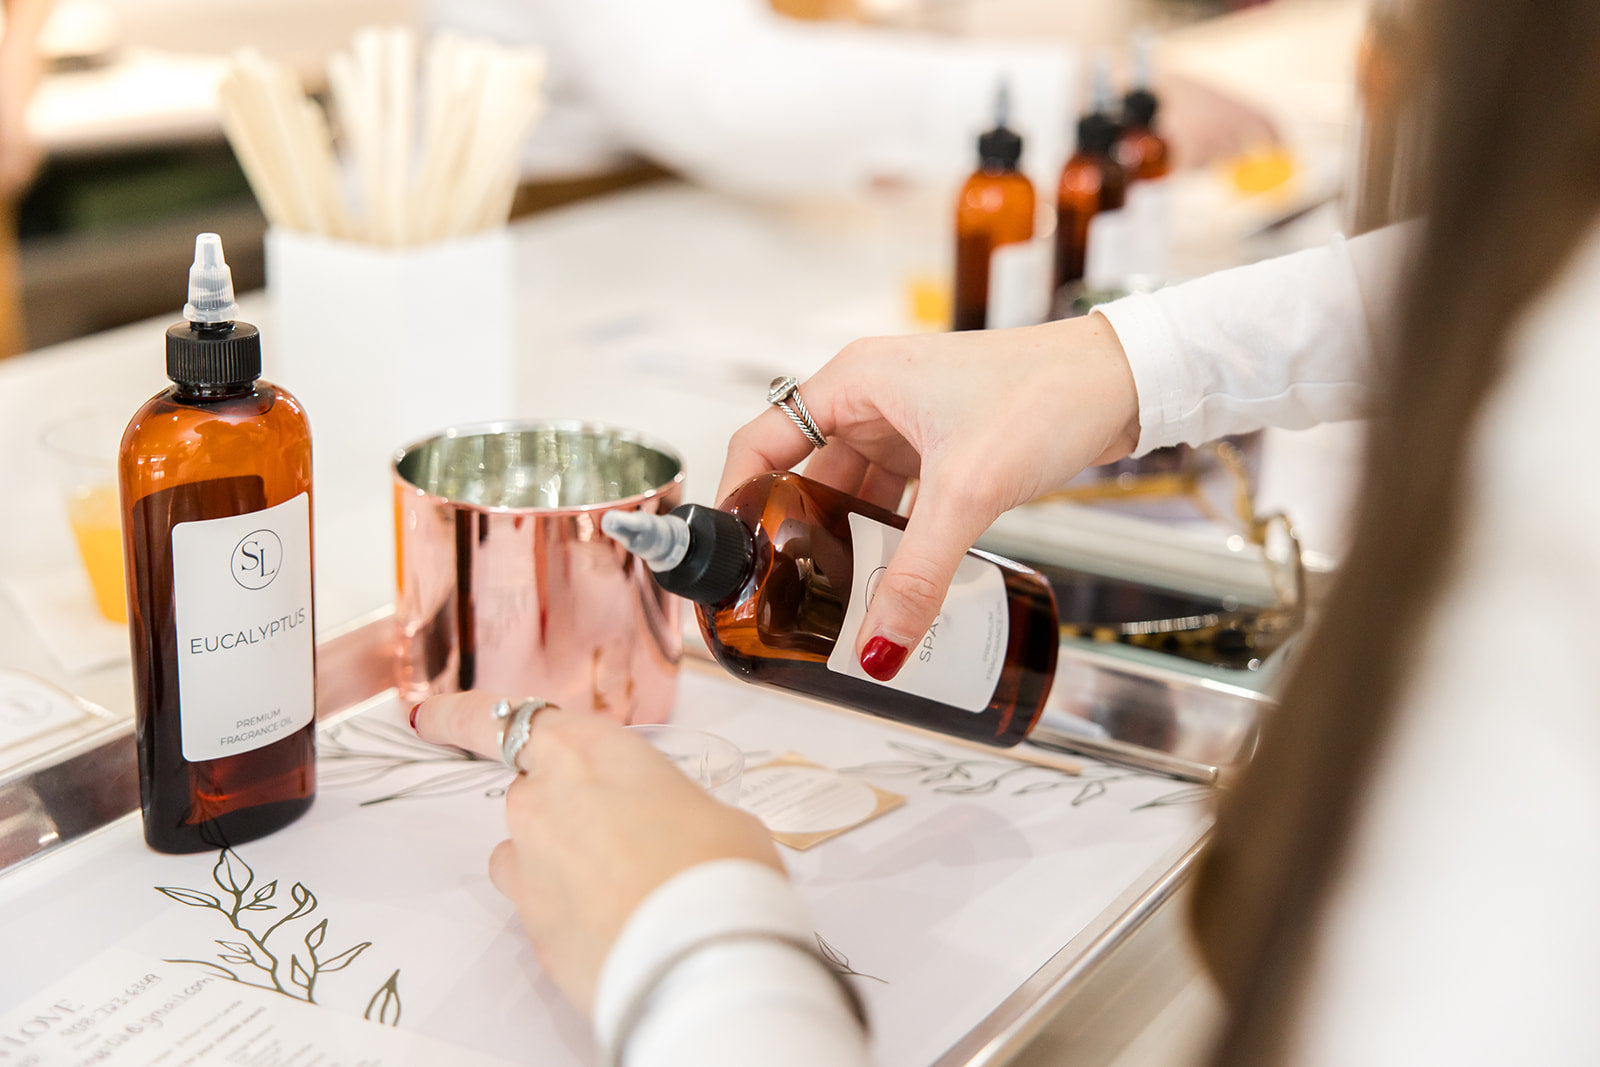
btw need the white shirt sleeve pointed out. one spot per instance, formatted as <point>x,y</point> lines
<point>1288,342</point>
<point>732,1002</point>
<point>740,98</point>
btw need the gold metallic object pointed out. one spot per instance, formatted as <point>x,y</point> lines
<point>1193,635</point>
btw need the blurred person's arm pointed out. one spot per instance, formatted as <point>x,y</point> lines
<point>735,96</point>
<point>1205,125</point>
<point>20,68</point>
<point>1290,342</point>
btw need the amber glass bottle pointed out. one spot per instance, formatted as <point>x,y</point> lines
<point>1091,182</point>
<point>215,477</point>
<point>995,208</point>
<point>1142,153</point>
<point>783,575</point>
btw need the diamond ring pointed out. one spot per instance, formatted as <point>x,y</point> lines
<point>516,726</point>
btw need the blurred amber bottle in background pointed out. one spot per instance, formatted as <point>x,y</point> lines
<point>1091,182</point>
<point>996,208</point>
<point>1143,154</point>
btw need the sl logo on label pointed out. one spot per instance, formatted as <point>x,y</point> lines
<point>256,559</point>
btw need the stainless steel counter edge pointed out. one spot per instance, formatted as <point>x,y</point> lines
<point>50,802</point>
<point>1022,1015</point>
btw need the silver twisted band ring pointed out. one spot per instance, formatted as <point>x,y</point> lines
<point>516,726</point>
<point>784,394</point>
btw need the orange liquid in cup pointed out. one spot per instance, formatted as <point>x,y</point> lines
<point>97,524</point>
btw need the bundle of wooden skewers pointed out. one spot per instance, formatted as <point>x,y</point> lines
<point>422,155</point>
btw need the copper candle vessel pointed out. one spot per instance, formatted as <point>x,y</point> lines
<point>505,581</point>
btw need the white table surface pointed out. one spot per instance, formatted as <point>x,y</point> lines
<point>945,905</point>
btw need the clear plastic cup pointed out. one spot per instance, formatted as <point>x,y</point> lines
<point>711,762</point>
<point>82,452</point>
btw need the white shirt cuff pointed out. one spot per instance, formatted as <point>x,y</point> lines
<point>1155,357</point>
<point>694,1015</point>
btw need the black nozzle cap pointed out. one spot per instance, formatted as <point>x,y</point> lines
<point>207,355</point>
<point>1139,107</point>
<point>1000,148</point>
<point>718,562</point>
<point>1096,134</point>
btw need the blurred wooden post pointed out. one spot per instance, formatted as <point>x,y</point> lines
<point>1385,183</point>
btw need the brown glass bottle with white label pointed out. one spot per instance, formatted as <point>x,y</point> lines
<point>993,211</point>
<point>782,576</point>
<point>215,476</point>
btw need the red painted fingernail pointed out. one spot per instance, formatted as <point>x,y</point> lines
<point>882,658</point>
<point>414,708</point>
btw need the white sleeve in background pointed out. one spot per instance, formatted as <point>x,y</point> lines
<point>731,1003</point>
<point>1287,342</point>
<point>740,98</point>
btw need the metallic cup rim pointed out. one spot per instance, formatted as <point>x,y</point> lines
<point>483,429</point>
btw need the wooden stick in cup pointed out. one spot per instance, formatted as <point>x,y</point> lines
<point>243,130</point>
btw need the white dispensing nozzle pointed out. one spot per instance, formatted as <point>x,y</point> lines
<point>1101,83</point>
<point>1143,45</point>
<point>210,284</point>
<point>662,541</point>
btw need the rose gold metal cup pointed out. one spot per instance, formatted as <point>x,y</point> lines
<point>506,582</point>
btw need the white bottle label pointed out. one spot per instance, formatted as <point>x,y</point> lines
<point>958,660</point>
<point>242,591</point>
<point>1019,285</point>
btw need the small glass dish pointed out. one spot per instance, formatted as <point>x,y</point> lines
<point>711,762</point>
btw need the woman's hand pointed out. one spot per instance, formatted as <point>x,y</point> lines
<point>598,819</point>
<point>984,421</point>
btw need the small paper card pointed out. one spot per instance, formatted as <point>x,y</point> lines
<point>126,1008</point>
<point>804,803</point>
<point>30,707</point>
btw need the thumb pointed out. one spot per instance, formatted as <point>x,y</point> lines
<point>917,579</point>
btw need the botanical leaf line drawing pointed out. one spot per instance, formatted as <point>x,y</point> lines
<point>841,962</point>
<point>361,753</point>
<point>979,776</point>
<point>261,953</point>
<point>384,1007</point>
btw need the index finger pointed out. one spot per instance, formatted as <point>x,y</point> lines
<point>768,442</point>
<point>465,720</point>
